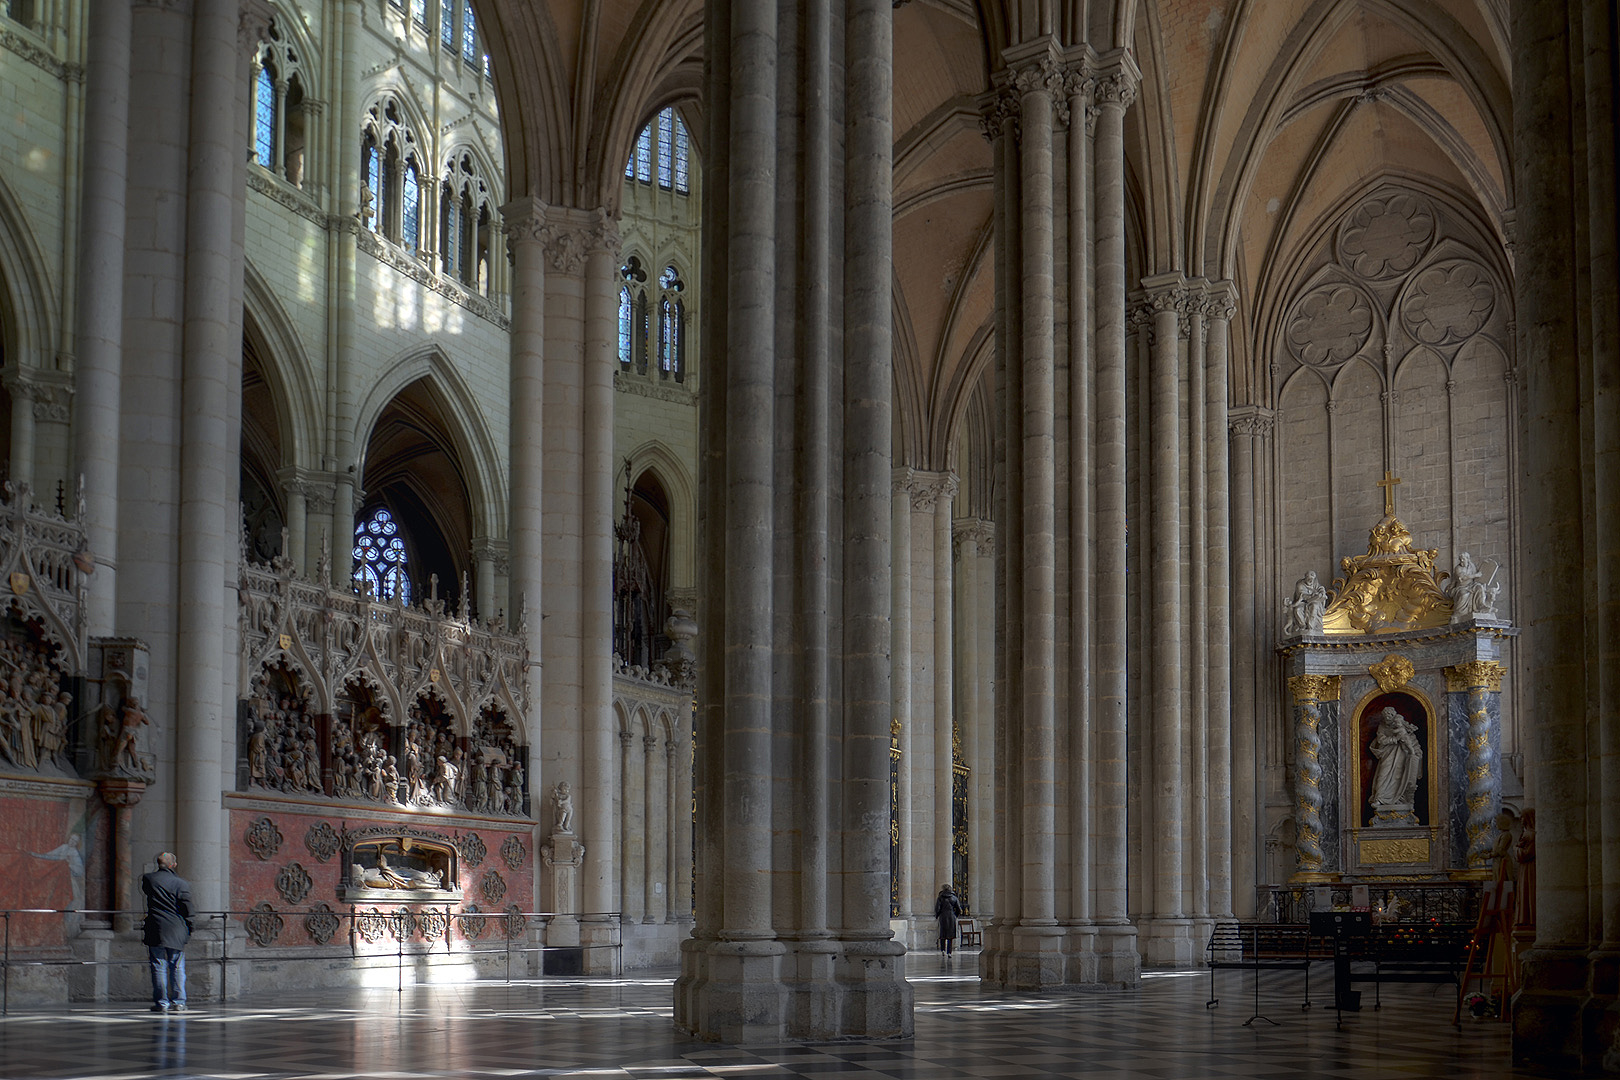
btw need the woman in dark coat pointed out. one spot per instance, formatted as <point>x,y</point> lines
<point>946,909</point>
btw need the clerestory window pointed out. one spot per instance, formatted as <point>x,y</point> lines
<point>662,154</point>
<point>278,141</point>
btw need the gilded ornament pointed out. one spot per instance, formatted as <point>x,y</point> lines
<point>1392,588</point>
<point>1392,672</point>
<point>1409,850</point>
<point>1314,688</point>
<point>1482,673</point>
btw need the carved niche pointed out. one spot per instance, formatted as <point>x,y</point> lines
<point>394,863</point>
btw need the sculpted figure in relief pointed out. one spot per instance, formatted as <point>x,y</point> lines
<point>1304,609</point>
<point>1400,764</point>
<point>1469,595</point>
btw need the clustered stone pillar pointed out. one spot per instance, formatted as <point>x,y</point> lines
<point>1567,1014</point>
<point>1249,427</point>
<point>793,940</point>
<point>1064,489</point>
<point>975,635</point>
<point>101,309</point>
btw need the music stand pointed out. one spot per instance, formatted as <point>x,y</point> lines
<point>1341,926</point>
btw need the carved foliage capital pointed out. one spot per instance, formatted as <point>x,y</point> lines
<point>1475,673</point>
<point>929,489</point>
<point>1306,688</point>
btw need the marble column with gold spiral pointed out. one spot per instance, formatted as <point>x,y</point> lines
<point>1474,709</point>
<point>1316,705</point>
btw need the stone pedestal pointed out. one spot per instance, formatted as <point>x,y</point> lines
<point>122,794</point>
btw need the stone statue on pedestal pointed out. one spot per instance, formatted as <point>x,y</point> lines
<point>1305,608</point>
<point>1469,595</point>
<point>562,802</point>
<point>1400,765</point>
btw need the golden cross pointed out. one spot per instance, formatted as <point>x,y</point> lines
<point>1388,484</point>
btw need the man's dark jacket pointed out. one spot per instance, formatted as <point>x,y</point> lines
<point>168,909</point>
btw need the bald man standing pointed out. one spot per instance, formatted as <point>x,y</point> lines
<point>168,928</point>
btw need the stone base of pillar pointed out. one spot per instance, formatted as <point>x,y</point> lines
<point>1119,963</point>
<point>1024,958</point>
<point>1202,927</point>
<point>1548,1010</point>
<point>874,999</point>
<point>732,991</point>
<point>1600,1019</point>
<point>599,940</point>
<point>1080,949</point>
<point>92,948</point>
<point>1168,942</point>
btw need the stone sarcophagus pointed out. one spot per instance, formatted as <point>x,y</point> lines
<point>1394,677</point>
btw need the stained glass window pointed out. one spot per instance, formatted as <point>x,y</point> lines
<point>264,119</point>
<point>411,208</point>
<point>419,14</point>
<point>469,34</point>
<point>624,325</point>
<point>666,144</point>
<point>682,153</point>
<point>447,24</point>
<point>644,155</point>
<point>379,557</point>
<point>373,167</point>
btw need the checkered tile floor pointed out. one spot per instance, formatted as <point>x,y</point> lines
<point>621,1028</point>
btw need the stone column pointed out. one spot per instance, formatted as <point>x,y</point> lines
<point>1312,697</point>
<point>1117,957</point>
<point>1566,359</point>
<point>1219,306</point>
<point>1247,425</point>
<point>657,826</point>
<point>758,967</point>
<point>943,494</point>
<point>1169,939</point>
<point>914,894</point>
<point>633,832</point>
<point>343,256</point>
<point>98,367</point>
<point>485,556</point>
<point>975,674</point>
<point>211,375</point>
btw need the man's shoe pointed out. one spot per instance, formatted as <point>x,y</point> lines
<point>178,1006</point>
<point>160,1008</point>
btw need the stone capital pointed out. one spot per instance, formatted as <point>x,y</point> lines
<point>253,24</point>
<point>1314,688</point>
<point>1117,79</point>
<point>980,532</point>
<point>929,488</point>
<point>903,481</point>
<point>1475,673</point>
<point>1251,421</point>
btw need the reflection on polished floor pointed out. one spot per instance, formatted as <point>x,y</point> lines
<point>621,1028</point>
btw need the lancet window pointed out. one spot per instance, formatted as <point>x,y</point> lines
<point>391,170</point>
<point>662,154</point>
<point>466,222</point>
<point>671,326</point>
<point>633,315</point>
<point>380,559</point>
<point>278,107</point>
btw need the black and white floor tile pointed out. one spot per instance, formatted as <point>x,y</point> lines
<point>621,1028</point>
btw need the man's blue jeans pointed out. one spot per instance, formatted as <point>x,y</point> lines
<point>168,976</point>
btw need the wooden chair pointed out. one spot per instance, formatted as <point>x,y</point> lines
<point>971,934</point>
